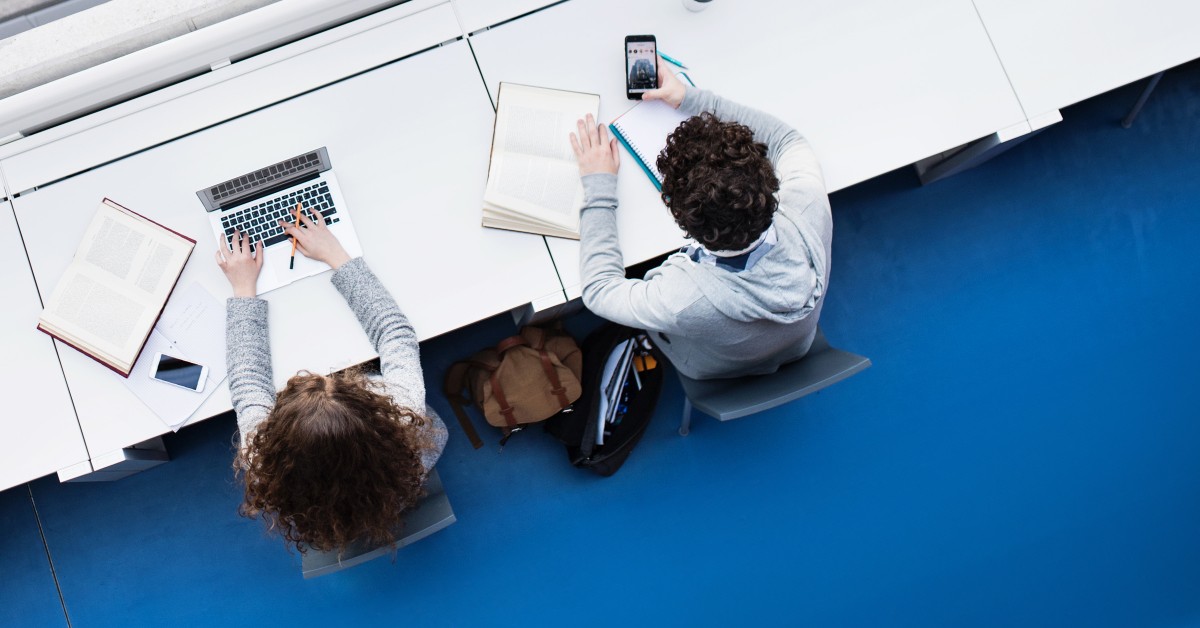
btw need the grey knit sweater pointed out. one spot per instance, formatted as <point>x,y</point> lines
<point>712,322</point>
<point>249,353</point>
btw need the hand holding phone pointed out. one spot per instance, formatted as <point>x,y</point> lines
<point>179,372</point>
<point>641,65</point>
<point>671,90</point>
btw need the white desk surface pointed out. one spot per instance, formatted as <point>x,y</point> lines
<point>479,14</point>
<point>39,433</point>
<point>409,143</point>
<point>874,85</point>
<point>1059,52</point>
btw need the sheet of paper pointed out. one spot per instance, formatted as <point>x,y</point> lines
<point>192,327</point>
<point>195,321</point>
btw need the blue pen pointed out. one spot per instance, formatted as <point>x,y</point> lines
<point>670,60</point>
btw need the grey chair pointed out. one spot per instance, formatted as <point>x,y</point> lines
<point>431,515</point>
<point>734,398</point>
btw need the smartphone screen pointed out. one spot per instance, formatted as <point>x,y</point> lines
<point>179,372</point>
<point>641,65</point>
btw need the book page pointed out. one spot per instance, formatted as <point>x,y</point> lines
<point>541,132</point>
<point>134,252</point>
<point>551,189</point>
<point>90,312</point>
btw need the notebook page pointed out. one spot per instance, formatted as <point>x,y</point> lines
<point>646,128</point>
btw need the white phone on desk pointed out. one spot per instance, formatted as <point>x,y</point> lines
<point>179,372</point>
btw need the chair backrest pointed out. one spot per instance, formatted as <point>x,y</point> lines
<point>726,399</point>
<point>432,514</point>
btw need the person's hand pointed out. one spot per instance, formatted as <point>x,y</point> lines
<point>241,266</point>
<point>670,89</point>
<point>594,150</point>
<point>315,240</point>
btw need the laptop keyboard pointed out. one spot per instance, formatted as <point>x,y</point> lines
<point>261,221</point>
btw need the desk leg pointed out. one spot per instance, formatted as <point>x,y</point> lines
<point>1141,101</point>
<point>125,462</point>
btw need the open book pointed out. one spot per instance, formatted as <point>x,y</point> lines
<point>115,288</point>
<point>533,180</point>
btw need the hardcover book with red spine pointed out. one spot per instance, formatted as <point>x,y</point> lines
<point>115,288</point>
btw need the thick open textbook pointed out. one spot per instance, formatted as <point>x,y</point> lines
<point>116,286</point>
<point>533,180</point>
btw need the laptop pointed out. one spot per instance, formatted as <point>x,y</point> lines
<point>254,202</point>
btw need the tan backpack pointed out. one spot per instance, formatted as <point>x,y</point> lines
<point>524,379</point>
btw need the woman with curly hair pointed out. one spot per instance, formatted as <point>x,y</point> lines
<point>744,297</point>
<point>330,459</point>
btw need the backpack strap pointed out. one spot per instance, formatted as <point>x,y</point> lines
<point>509,343</point>
<point>456,378</point>
<point>552,375</point>
<point>536,337</point>
<point>505,409</point>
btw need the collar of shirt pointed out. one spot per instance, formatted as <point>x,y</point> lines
<point>734,261</point>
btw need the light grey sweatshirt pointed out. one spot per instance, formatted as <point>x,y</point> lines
<point>248,353</point>
<point>710,321</point>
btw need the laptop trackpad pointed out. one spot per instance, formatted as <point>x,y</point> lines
<point>279,256</point>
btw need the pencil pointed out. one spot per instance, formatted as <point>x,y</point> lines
<point>292,262</point>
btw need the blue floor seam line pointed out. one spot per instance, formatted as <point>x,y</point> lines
<point>49,559</point>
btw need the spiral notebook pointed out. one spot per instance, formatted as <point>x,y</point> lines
<point>643,131</point>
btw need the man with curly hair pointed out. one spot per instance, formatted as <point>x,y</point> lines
<point>744,297</point>
<point>333,459</point>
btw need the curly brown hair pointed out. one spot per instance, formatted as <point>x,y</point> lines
<point>718,182</point>
<point>336,461</point>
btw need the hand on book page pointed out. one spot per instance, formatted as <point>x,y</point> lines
<point>670,90</point>
<point>594,149</point>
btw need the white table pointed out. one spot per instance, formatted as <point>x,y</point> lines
<point>476,15</point>
<point>40,432</point>
<point>874,85</point>
<point>408,142</point>
<point>1059,52</point>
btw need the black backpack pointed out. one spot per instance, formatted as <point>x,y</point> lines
<point>641,385</point>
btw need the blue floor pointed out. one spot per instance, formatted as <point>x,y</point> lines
<point>1024,450</point>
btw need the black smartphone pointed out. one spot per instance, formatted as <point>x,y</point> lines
<point>641,65</point>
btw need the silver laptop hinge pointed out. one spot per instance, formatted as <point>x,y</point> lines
<point>217,65</point>
<point>11,138</point>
